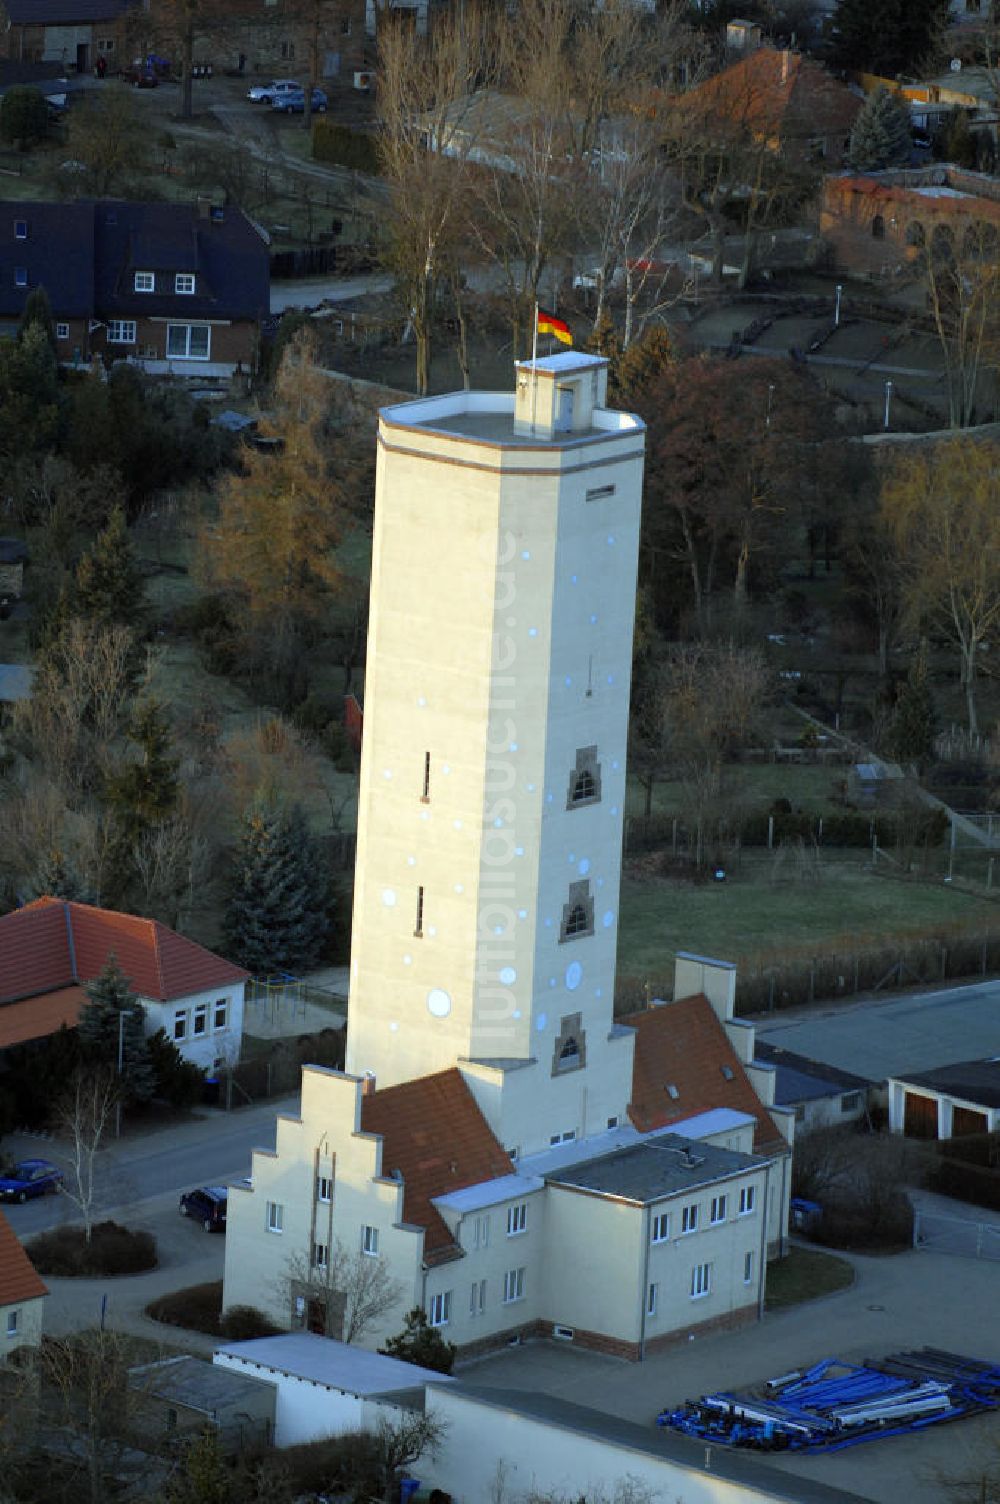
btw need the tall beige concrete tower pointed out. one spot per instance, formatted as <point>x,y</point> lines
<point>493,770</point>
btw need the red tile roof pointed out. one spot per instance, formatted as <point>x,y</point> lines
<point>19,1279</point>
<point>37,1017</point>
<point>683,1044</point>
<point>434,1134</point>
<point>780,94</point>
<point>53,943</point>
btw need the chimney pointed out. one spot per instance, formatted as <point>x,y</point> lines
<point>368,1084</point>
<point>785,56</point>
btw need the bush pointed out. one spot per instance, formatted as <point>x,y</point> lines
<point>64,1252</point>
<point>345,147</point>
<point>850,1224</point>
<point>349,1465</point>
<point>243,1323</point>
<point>24,116</point>
<point>964,1181</point>
<point>178,1081</point>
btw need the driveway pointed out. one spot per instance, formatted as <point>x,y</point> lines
<point>907,1301</point>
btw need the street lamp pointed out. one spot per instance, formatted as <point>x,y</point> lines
<point>121,1061</point>
<point>770,399</point>
<point>836,311</point>
<point>888,400</point>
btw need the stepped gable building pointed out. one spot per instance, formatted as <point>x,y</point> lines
<point>495,1118</point>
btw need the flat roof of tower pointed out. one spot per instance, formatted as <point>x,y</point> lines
<point>488,418</point>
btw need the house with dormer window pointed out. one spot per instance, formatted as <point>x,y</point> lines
<point>179,289</point>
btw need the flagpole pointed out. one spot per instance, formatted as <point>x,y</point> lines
<point>534,372</point>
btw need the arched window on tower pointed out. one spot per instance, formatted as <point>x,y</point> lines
<point>584,780</point>
<point>570,1050</point>
<point>578,913</point>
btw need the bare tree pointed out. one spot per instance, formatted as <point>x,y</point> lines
<point>344,1293</point>
<point>168,860</point>
<point>963,294</point>
<point>84,1400</point>
<point>401,1443</point>
<point>85,1114</point>
<point>430,118</point>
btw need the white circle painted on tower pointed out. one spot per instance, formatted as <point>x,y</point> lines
<point>531,788</point>
<point>432,930</point>
<point>568,682</point>
<point>608,919</point>
<point>540,1022</point>
<point>393,1028</point>
<point>614,809</point>
<point>518,850</point>
<point>508,976</point>
<point>600,882</point>
<point>497,823</point>
<point>552,981</point>
<point>574,579</point>
<point>422,701</point>
<point>513,746</point>
<point>593,621</point>
<point>516,1013</point>
<point>459,887</point>
<point>572,858</point>
<point>584,866</point>
<point>574,976</point>
<point>446,769</point>
<point>611,540</point>
<point>611,678</point>
<point>389,897</point>
<point>457,824</point>
<point>614,767</point>
<point>386,772</point>
<point>525,554</point>
<point>407,960</point>
<point>522,913</point>
<point>438,1002</point>
<point>532,631</point>
<point>411,861</point>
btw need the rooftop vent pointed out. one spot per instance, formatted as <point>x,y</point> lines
<point>728,1073</point>
<point>672,1092</point>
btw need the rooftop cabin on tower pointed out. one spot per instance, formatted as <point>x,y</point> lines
<point>493,769</point>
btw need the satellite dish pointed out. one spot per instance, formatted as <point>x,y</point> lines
<point>955,65</point>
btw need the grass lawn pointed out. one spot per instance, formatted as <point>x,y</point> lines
<point>807,786</point>
<point>750,914</point>
<point>804,1275</point>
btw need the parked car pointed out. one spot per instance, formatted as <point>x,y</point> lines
<point>207,1205</point>
<point>290,104</point>
<point>268,93</point>
<point>32,1177</point>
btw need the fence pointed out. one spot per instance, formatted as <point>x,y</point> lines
<point>283,1002</point>
<point>933,1233</point>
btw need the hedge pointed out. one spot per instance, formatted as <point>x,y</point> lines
<point>965,1182</point>
<point>64,1252</point>
<point>345,147</point>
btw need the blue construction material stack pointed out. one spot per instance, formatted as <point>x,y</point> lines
<point>836,1404</point>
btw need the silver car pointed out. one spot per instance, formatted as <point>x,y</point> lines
<point>268,93</point>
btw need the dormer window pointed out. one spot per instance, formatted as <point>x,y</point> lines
<point>20,229</point>
<point>184,283</point>
<point>145,281</point>
<point>20,276</point>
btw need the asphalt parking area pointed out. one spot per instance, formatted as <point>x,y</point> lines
<point>911,1300</point>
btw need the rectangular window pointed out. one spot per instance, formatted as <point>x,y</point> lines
<point>180,1024</point>
<point>718,1208</point>
<point>275,1217</point>
<point>440,1310</point>
<point>661,1227</point>
<point>200,1020</point>
<point>517,1219</point>
<point>651,1301</point>
<point>345,26</point>
<point>321,1255</point>
<point>20,229</point>
<point>418,928</point>
<point>121,331</point>
<point>12,1323</point>
<point>563,1138</point>
<point>701,1281</point>
<point>600,493</point>
<point>612,1122</point>
<point>369,1240</point>
<point>481,1233</point>
<point>20,276</point>
<point>145,281</point>
<point>426,795</point>
<point>184,282</point>
<point>689,1218</point>
<point>748,1195</point>
<point>477,1298</point>
<point>288,51</point>
<point>748,1268</point>
<point>513,1286</point>
<point>188,341</point>
<point>221,1016</point>
<point>324,1188</point>
<point>850,1100</point>
<point>62,331</point>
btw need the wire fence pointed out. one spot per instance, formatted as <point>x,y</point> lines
<point>933,1233</point>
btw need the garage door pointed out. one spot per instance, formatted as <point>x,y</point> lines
<point>967,1120</point>
<point>920,1118</point>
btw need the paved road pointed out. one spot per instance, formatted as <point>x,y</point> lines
<point>213,1147</point>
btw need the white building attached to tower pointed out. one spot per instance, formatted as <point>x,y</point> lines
<point>486,900</point>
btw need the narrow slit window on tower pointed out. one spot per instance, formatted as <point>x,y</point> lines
<point>418,928</point>
<point>578,913</point>
<point>426,795</point>
<point>585,779</point>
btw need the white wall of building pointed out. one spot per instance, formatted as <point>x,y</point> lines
<point>306,1410</point>
<point>215,1043</point>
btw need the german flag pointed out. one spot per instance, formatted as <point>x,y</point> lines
<point>549,324</point>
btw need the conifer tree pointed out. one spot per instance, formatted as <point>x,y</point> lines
<point>145,792</point>
<point>109,587</point>
<point>109,999</point>
<point>881,134</point>
<point>421,1343</point>
<point>38,310</point>
<point>274,921</point>
<point>913,727</point>
<point>888,36</point>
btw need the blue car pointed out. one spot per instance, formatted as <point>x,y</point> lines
<point>32,1177</point>
<point>295,103</point>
